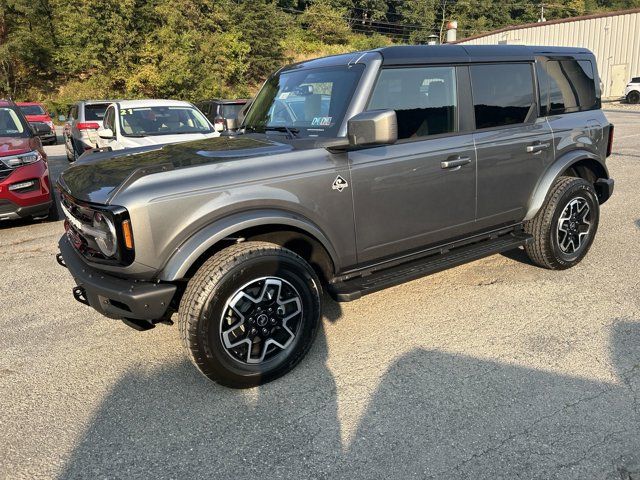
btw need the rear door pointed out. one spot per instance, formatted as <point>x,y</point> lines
<point>513,145</point>
<point>421,190</point>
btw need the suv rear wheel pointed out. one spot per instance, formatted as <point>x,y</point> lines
<point>250,314</point>
<point>633,97</point>
<point>564,228</point>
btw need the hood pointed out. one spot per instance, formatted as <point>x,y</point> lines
<point>96,177</point>
<point>15,145</point>
<point>38,118</point>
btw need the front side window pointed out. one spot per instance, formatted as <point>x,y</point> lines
<point>424,99</point>
<point>309,102</point>
<point>10,124</point>
<point>32,109</point>
<point>109,117</point>
<point>502,93</point>
<point>151,121</point>
<point>567,86</point>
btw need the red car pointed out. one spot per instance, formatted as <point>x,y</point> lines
<point>25,190</point>
<point>37,113</point>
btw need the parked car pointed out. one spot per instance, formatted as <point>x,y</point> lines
<point>37,113</point>
<point>81,129</point>
<point>24,174</point>
<point>632,91</point>
<point>219,110</point>
<point>427,157</point>
<point>136,123</point>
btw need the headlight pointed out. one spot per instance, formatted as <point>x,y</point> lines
<point>108,242</point>
<point>22,159</point>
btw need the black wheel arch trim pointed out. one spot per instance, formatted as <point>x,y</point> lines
<point>200,242</point>
<point>557,168</point>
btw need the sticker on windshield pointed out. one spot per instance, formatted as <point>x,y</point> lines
<point>321,121</point>
<point>284,95</point>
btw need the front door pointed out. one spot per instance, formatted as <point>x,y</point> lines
<point>421,190</point>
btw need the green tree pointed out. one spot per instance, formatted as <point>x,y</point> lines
<point>326,23</point>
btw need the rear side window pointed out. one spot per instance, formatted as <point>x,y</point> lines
<point>502,93</point>
<point>95,111</point>
<point>424,99</point>
<point>231,110</point>
<point>567,86</point>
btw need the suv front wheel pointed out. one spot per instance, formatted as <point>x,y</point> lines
<point>564,228</point>
<point>250,314</point>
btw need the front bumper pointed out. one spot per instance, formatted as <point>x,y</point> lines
<point>116,297</point>
<point>11,211</point>
<point>22,203</point>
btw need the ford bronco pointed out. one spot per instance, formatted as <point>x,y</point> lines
<point>349,174</point>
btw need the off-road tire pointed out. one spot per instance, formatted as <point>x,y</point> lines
<point>203,304</point>
<point>545,250</point>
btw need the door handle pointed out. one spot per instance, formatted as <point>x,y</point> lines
<point>537,147</point>
<point>455,162</point>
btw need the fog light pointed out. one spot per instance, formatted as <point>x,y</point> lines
<point>22,185</point>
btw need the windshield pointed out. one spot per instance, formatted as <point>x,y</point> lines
<point>32,109</point>
<point>147,121</point>
<point>306,102</point>
<point>10,124</point>
<point>95,111</point>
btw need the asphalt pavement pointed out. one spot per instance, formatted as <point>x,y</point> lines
<point>496,369</point>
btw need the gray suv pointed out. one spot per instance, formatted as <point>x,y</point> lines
<point>81,128</point>
<point>349,174</point>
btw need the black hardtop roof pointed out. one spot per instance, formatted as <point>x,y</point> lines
<point>434,54</point>
<point>411,54</point>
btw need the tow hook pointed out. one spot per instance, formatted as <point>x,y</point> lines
<point>60,260</point>
<point>80,294</point>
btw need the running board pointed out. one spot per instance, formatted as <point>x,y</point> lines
<point>346,291</point>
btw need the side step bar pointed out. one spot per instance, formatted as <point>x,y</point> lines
<point>346,291</point>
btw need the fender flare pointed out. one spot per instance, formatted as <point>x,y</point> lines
<point>190,251</point>
<point>553,172</point>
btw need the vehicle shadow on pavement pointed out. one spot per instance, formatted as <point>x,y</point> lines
<point>434,414</point>
<point>518,255</point>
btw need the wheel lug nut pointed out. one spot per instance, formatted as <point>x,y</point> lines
<point>252,320</point>
<point>253,331</point>
<point>273,321</point>
<point>265,331</point>
<point>270,310</point>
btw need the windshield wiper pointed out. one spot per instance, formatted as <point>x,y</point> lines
<point>136,135</point>
<point>292,132</point>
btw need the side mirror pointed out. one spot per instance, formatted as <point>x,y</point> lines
<point>62,118</point>
<point>230,124</point>
<point>105,133</point>
<point>376,127</point>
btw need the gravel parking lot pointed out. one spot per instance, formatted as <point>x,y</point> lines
<point>496,369</point>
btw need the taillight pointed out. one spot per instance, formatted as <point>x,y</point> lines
<point>87,126</point>
<point>610,144</point>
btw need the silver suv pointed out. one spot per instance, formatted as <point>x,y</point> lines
<point>81,128</point>
<point>350,174</point>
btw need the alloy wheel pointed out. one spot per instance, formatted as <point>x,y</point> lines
<point>260,320</point>
<point>574,225</point>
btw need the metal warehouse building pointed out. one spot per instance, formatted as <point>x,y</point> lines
<point>613,37</point>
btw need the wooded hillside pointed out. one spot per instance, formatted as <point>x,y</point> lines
<point>60,50</point>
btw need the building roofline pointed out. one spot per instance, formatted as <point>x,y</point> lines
<point>552,22</point>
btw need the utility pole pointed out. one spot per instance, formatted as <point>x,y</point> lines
<point>542,19</point>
